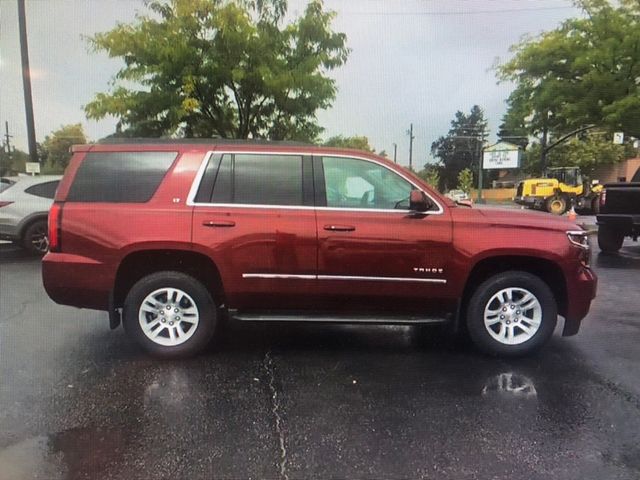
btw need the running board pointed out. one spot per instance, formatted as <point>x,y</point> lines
<point>328,318</point>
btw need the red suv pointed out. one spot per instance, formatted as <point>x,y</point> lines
<point>171,237</point>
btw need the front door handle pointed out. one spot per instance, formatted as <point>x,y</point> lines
<point>219,223</point>
<point>340,228</point>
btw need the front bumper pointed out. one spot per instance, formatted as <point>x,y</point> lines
<point>8,232</point>
<point>531,202</point>
<point>581,290</point>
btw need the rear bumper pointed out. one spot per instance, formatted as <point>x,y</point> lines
<point>581,290</point>
<point>77,281</point>
<point>626,223</point>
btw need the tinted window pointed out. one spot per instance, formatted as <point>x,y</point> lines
<point>267,180</point>
<point>45,190</point>
<point>120,176</point>
<point>222,190</point>
<point>636,177</point>
<point>353,183</point>
<point>259,180</point>
<point>208,179</point>
<point>5,183</point>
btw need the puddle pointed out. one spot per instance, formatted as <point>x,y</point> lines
<point>510,384</point>
<point>75,453</point>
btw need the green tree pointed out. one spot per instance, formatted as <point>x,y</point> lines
<point>12,163</point>
<point>231,69</point>
<point>583,72</point>
<point>462,145</point>
<point>55,150</point>
<point>357,142</point>
<point>431,174</point>
<point>465,180</point>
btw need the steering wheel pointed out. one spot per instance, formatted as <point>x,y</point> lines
<point>401,201</point>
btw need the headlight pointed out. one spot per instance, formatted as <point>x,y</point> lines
<point>580,239</point>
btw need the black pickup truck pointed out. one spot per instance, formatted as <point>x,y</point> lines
<point>619,214</point>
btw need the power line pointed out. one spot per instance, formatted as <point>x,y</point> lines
<point>453,13</point>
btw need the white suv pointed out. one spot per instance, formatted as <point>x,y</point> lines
<point>24,207</point>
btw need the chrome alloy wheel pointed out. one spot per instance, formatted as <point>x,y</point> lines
<point>512,316</point>
<point>168,316</point>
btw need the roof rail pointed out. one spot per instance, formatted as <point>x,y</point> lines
<point>208,141</point>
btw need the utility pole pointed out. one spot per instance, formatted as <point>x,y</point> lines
<point>7,137</point>
<point>411,138</point>
<point>26,81</point>
<point>395,153</point>
<point>482,138</point>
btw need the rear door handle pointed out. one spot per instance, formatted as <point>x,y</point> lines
<point>340,228</point>
<point>219,223</point>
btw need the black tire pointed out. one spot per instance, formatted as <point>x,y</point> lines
<point>36,238</point>
<point>556,205</point>
<point>595,205</point>
<point>609,239</point>
<point>480,299</point>
<point>207,314</point>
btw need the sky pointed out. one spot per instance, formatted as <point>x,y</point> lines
<point>412,61</point>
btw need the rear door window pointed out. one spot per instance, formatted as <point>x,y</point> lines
<point>253,179</point>
<point>44,190</point>
<point>120,177</point>
<point>267,180</point>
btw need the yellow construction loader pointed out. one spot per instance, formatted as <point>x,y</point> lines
<point>560,189</point>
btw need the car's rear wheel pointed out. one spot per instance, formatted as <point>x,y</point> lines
<point>170,314</point>
<point>609,239</point>
<point>35,238</point>
<point>513,313</point>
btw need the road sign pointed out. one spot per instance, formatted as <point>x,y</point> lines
<point>32,167</point>
<point>502,155</point>
<point>618,138</point>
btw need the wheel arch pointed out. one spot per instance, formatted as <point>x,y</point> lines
<point>545,269</point>
<point>30,220</point>
<point>139,264</point>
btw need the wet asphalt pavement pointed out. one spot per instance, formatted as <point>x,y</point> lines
<point>292,401</point>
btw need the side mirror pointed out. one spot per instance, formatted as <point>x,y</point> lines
<point>418,201</point>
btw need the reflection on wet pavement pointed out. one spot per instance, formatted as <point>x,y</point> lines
<point>510,385</point>
<point>78,401</point>
<point>76,453</point>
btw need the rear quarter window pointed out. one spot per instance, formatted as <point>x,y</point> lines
<point>44,190</point>
<point>120,177</point>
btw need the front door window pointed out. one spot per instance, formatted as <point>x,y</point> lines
<point>353,183</point>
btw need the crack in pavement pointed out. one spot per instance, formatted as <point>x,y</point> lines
<point>20,311</point>
<point>276,409</point>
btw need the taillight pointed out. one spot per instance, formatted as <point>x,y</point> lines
<point>55,227</point>
<point>4,204</point>
<point>603,197</point>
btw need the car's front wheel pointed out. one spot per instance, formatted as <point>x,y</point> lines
<point>512,313</point>
<point>170,314</point>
